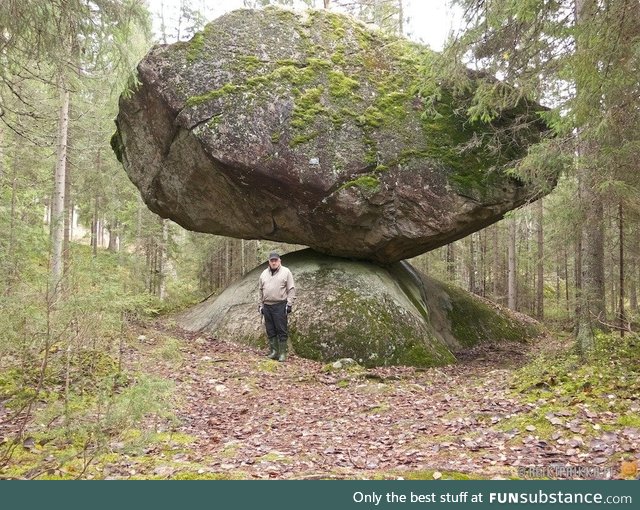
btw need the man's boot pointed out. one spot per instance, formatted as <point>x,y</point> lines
<point>283,350</point>
<point>273,345</point>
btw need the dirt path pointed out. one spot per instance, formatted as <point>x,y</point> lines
<point>256,418</point>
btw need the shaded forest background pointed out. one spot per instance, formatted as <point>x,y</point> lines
<point>82,258</point>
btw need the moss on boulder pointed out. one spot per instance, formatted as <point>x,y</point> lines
<point>352,309</point>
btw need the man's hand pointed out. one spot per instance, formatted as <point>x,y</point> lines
<point>289,308</point>
<point>260,311</point>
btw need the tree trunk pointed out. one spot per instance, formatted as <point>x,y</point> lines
<point>57,209</point>
<point>471,266</point>
<point>451,263</point>
<point>524,299</point>
<point>577,274</point>
<point>68,217</point>
<point>496,288</point>
<point>11,259</point>
<point>540,278</point>
<point>634,271</point>
<point>621,315</point>
<point>592,294</point>
<point>162,260</point>
<point>95,227</point>
<point>148,262</point>
<point>557,280</point>
<point>566,280</point>
<point>113,235</point>
<point>163,25</point>
<point>512,280</point>
<point>483,262</point>
<point>243,266</point>
<point>227,262</point>
<point>1,156</point>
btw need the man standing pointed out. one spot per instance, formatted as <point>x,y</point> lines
<point>277,294</point>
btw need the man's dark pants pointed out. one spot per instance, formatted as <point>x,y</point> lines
<point>275,320</point>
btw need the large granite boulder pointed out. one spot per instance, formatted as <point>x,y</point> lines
<point>356,309</point>
<point>313,129</point>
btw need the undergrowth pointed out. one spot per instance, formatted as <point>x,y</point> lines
<point>561,386</point>
<point>612,369</point>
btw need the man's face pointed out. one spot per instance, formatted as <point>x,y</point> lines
<point>274,263</point>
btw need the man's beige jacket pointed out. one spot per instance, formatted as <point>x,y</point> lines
<point>277,287</point>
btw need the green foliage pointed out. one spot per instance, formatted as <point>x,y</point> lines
<point>542,165</point>
<point>81,428</point>
<point>583,66</point>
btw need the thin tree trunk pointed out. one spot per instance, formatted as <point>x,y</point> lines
<point>95,227</point>
<point>471,267</point>
<point>634,271</point>
<point>557,280</point>
<point>483,260</point>
<point>162,260</point>
<point>100,230</point>
<point>148,250</point>
<point>524,297</point>
<point>1,156</point>
<point>113,235</point>
<point>57,209</point>
<point>496,254</point>
<point>512,280</point>
<point>68,217</point>
<point>11,259</point>
<point>612,226</point>
<point>540,278</point>
<point>577,269</point>
<point>451,263</point>
<point>243,267</point>
<point>566,279</point>
<point>621,315</point>
<point>163,25</point>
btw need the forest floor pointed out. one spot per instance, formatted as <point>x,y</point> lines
<point>240,415</point>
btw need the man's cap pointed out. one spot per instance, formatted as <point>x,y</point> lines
<point>274,255</point>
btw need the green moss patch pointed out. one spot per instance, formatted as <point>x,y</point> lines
<point>345,73</point>
<point>367,182</point>
<point>196,46</point>
<point>473,321</point>
<point>229,88</point>
<point>370,332</point>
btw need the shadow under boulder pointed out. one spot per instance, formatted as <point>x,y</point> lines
<point>353,309</point>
